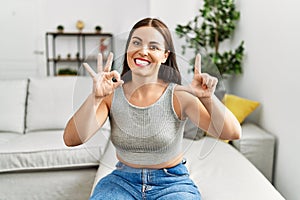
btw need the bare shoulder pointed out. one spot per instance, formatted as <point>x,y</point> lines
<point>182,100</point>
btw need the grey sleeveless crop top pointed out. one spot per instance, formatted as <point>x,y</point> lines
<point>146,135</point>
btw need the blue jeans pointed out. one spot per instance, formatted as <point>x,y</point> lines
<point>126,183</point>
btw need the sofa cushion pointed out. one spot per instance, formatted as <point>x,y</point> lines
<point>13,99</point>
<point>51,101</point>
<point>46,150</point>
<point>239,106</point>
<point>257,145</point>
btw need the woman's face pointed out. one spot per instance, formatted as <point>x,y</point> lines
<point>146,51</point>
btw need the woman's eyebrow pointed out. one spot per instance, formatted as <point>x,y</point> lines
<point>151,42</point>
<point>154,42</point>
<point>135,37</point>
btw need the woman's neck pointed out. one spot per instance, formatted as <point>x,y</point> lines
<point>144,90</point>
<point>140,81</point>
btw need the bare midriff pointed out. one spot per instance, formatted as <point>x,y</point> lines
<point>170,163</point>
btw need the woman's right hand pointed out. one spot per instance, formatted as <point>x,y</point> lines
<point>103,83</point>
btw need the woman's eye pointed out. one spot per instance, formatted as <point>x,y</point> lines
<point>136,43</point>
<point>154,48</point>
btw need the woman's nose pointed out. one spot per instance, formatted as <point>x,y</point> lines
<point>144,50</point>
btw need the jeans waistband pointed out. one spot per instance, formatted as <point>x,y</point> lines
<point>126,168</point>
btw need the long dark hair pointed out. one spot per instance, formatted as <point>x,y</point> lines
<point>168,71</point>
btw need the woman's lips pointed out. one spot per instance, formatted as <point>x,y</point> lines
<point>141,62</point>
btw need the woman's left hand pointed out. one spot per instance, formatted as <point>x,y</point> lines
<point>203,85</point>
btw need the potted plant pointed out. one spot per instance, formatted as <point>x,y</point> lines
<point>60,28</point>
<point>98,29</point>
<point>215,23</point>
<point>67,71</point>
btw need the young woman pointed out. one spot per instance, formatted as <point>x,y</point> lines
<point>148,107</point>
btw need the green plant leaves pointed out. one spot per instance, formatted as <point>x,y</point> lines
<point>218,19</point>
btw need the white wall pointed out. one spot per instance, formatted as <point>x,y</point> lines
<point>271,32</point>
<point>24,24</point>
<point>174,12</point>
<point>19,35</point>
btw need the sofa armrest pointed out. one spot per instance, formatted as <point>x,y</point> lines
<point>258,147</point>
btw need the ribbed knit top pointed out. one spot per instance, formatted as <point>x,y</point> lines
<point>146,135</point>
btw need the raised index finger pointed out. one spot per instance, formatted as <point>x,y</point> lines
<point>90,70</point>
<point>198,64</point>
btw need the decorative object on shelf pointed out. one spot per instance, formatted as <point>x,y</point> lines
<point>67,71</point>
<point>98,29</point>
<point>60,28</point>
<point>215,23</point>
<point>80,25</point>
<point>58,57</point>
<point>77,55</point>
<point>103,46</point>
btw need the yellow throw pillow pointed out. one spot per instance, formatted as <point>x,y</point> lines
<point>240,107</point>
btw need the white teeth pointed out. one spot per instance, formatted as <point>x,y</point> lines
<point>141,62</point>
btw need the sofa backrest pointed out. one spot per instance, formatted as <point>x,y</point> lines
<point>12,105</point>
<point>52,101</point>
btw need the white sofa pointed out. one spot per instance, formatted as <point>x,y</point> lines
<point>35,163</point>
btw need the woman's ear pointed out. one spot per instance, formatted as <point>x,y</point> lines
<point>166,55</point>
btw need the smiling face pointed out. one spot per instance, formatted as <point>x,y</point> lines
<point>154,38</point>
<point>146,51</point>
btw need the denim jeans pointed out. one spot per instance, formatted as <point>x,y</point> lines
<point>126,183</point>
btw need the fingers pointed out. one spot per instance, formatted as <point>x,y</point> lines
<point>197,64</point>
<point>113,74</point>
<point>99,63</point>
<point>90,70</point>
<point>119,83</point>
<point>109,62</point>
<point>208,81</point>
<point>116,75</point>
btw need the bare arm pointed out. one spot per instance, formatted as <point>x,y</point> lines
<point>224,124</point>
<point>94,111</point>
<point>206,110</point>
<point>85,122</point>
